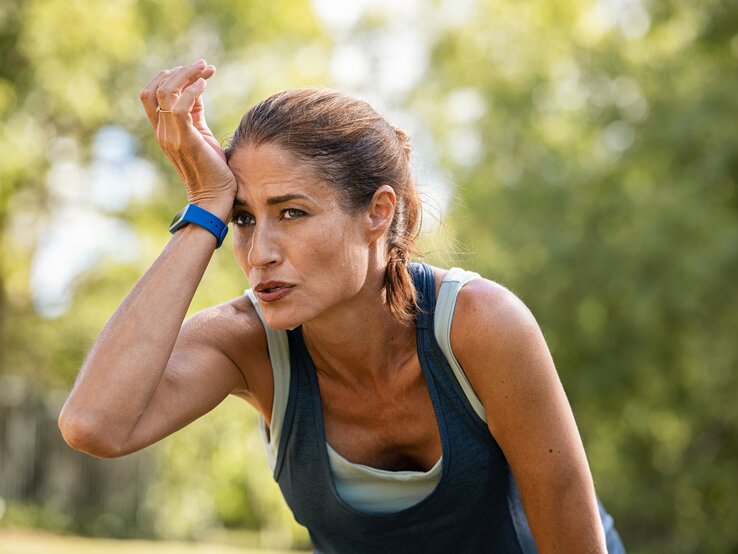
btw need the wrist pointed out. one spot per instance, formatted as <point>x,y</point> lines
<point>200,216</point>
<point>220,208</point>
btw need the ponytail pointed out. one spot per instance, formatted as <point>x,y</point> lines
<point>400,293</point>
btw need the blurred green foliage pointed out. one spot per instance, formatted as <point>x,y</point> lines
<point>595,161</point>
<point>606,198</point>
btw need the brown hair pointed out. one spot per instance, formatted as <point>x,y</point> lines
<point>357,150</point>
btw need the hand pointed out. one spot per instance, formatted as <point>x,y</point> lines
<point>184,136</point>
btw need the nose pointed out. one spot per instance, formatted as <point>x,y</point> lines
<point>264,249</point>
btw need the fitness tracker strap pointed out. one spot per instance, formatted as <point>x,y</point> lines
<point>197,215</point>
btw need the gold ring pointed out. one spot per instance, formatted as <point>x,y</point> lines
<point>159,110</point>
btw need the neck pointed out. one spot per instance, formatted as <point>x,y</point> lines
<point>359,341</point>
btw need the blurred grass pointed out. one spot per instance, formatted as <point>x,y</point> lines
<point>34,542</point>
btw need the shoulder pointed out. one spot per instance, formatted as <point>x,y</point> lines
<point>499,343</point>
<point>222,324</point>
<point>489,306</point>
<point>234,329</point>
<point>486,302</point>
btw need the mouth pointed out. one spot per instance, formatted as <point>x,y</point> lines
<point>271,292</point>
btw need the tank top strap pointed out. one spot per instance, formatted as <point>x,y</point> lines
<point>425,288</point>
<point>448,382</point>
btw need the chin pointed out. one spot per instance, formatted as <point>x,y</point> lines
<point>285,327</point>
<point>282,322</point>
<point>290,312</point>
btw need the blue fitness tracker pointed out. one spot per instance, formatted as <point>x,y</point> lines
<point>195,214</point>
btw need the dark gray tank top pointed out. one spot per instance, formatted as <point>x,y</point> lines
<point>475,506</point>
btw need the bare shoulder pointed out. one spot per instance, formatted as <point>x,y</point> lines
<point>488,306</point>
<point>484,302</point>
<point>233,323</point>
<point>235,329</point>
<point>499,343</point>
<point>236,318</point>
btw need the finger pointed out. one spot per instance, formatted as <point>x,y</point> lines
<point>208,72</point>
<point>148,93</point>
<point>182,109</point>
<point>198,113</point>
<point>171,87</point>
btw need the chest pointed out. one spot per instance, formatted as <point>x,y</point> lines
<point>391,426</point>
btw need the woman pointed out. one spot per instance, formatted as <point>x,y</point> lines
<point>351,354</point>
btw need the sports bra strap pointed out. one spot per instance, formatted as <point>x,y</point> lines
<point>279,355</point>
<point>454,279</point>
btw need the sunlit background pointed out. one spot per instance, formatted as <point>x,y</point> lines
<point>584,153</point>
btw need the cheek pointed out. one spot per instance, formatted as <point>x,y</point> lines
<point>327,254</point>
<point>241,243</point>
<point>339,255</point>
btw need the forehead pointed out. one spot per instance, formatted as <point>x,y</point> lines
<point>267,170</point>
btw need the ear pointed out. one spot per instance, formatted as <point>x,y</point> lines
<point>380,213</point>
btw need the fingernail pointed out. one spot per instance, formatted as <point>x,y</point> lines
<point>199,62</point>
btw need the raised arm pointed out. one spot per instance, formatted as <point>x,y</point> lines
<point>147,374</point>
<point>511,370</point>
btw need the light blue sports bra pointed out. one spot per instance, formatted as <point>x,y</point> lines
<point>363,487</point>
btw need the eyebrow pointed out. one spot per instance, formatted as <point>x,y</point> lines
<point>273,200</point>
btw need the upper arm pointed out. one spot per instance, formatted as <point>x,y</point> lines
<point>505,357</point>
<point>219,351</point>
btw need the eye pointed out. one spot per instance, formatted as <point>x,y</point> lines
<point>292,213</point>
<point>242,220</point>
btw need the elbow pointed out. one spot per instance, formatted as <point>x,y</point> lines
<point>85,435</point>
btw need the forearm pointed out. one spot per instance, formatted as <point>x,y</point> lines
<point>128,359</point>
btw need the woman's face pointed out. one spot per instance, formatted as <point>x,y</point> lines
<point>302,253</point>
